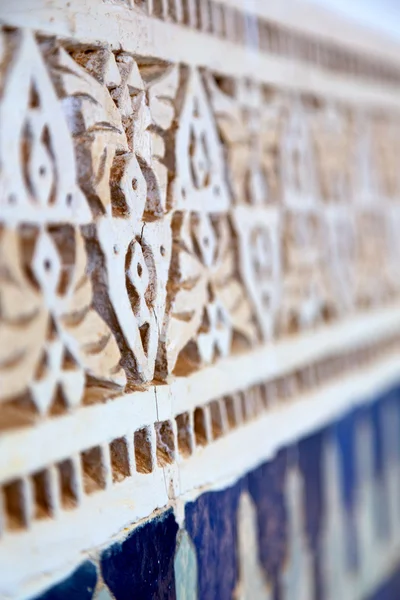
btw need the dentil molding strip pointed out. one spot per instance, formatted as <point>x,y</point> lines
<point>324,24</point>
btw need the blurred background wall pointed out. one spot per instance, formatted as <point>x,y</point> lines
<point>381,14</point>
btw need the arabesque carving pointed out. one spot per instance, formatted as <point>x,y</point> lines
<point>199,262</point>
<point>157,218</point>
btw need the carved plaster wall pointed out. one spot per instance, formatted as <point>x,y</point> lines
<point>199,266</point>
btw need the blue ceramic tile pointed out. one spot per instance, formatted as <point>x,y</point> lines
<point>395,395</point>
<point>375,412</point>
<point>212,526</point>
<point>79,586</point>
<point>142,566</point>
<point>311,468</point>
<point>344,432</point>
<point>389,590</point>
<point>393,400</point>
<point>266,486</point>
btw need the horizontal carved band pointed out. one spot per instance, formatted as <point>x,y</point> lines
<point>156,217</point>
<point>247,29</point>
<point>63,485</point>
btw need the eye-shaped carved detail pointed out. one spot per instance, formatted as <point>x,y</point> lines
<point>42,186</point>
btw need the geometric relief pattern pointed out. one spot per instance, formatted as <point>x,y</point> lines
<point>289,528</point>
<point>51,336</point>
<point>163,225</point>
<point>157,217</point>
<point>53,342</point>
<point>329,197</point>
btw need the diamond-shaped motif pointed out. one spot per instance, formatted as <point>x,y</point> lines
<point>200,160</point>
<point>46,264</point>
<point>40,163</point>
<point>205,240</point>
<point>137,272</point>
<point>199,180</point>
<point>262,253</point>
